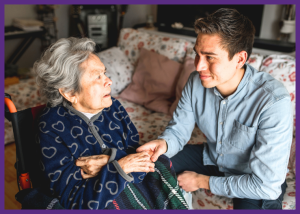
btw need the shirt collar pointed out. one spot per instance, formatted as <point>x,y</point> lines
<point>243,82</point>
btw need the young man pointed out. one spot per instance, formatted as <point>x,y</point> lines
<point>245,115</point>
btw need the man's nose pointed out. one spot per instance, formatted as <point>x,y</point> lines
<point>201,64</point>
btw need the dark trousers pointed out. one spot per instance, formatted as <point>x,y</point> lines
<point>191,159</point>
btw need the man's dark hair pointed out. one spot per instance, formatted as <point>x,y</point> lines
<point>236,30</point>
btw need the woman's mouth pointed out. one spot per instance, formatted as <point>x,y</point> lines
<point>107,95</point>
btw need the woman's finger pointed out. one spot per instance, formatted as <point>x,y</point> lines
<point>80,162</point>
<point>85,176</point>
<point>86,170</point>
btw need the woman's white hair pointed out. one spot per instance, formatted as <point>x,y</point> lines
<point>59,67</point>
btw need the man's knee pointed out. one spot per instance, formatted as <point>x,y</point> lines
<point>251,204</point>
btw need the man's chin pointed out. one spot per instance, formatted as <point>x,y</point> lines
<point>206,84</point>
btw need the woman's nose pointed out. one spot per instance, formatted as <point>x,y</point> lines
<point>108,82</point>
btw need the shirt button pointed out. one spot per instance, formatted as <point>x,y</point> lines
<point>221,123</point>
<point>221,154</point>
<point>220,143</point>
<point>224,102</point>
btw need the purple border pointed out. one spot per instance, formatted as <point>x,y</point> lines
<point>127,2</point>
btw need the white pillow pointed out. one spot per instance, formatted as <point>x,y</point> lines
<point>118,68</point>
<point>255,60</point>
<point>283,68</point>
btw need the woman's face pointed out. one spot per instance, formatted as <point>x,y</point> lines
<point>95,87</point>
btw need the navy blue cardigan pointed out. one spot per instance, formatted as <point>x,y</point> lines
<point>66,134</point>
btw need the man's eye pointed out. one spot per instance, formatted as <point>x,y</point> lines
<point>209,58</point>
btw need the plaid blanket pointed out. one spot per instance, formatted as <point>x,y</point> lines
<point>159,190</point>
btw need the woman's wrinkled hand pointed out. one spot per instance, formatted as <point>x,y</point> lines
<point>139,162</point>
<point>91,165</point>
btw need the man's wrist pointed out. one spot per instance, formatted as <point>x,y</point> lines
<point>166,145</point>
<point>203,181</point>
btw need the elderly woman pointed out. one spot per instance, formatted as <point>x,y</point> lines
<point>87,139</point>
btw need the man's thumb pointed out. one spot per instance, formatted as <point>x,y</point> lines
<point>142,148</point>
<point>156,154</point>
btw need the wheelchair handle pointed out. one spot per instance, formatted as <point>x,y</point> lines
<point>10,105</point>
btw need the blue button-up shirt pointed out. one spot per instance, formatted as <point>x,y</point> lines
<point>249,133</point>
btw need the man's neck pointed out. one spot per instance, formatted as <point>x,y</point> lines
<point>228,88</point>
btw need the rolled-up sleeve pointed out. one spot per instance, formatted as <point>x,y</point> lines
<point>268,159</point>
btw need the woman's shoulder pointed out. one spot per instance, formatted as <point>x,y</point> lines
<point>116,105</point>
<point>50,113</point>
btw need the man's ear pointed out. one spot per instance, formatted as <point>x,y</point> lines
<point>242,58</point>
<point>68,96</point>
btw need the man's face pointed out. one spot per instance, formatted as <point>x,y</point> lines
<point>212,63</point>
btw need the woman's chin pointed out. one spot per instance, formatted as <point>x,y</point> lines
<point>108,101</point>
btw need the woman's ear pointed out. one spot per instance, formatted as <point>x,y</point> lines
<point>68,96</point>
<point>242,58</point>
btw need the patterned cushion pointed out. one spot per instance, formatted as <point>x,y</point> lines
<point>119,69</point>
<point>131,41</point>
<point>283,68</point>
<point>255,60</point>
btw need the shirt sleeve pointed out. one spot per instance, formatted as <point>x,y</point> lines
<point>66,181</point>
<point>268,160</point>
<point>179,130</point>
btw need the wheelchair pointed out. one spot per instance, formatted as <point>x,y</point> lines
<point>32,194</point>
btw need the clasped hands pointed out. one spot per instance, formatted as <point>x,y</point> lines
<point>138,162</point>
<point>187,180</point>
<point>142,161</point>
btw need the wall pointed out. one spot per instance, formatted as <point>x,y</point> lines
<point>137,14</point>
<point>270,23</point>
<point>28,12</point>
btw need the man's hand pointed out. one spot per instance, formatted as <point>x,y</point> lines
<point>191,181</point>
<point>138,162</point>
<point>155,148</point>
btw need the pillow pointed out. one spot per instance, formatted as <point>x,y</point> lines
<point>255,60</point>
<point>283,68</point>
<point>153,82</point>
<point>189,47</point>
<point>131,41</point>
<point>119,69</point>
<point>187,68</point>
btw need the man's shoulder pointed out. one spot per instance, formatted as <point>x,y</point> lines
<point>270,85</point>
